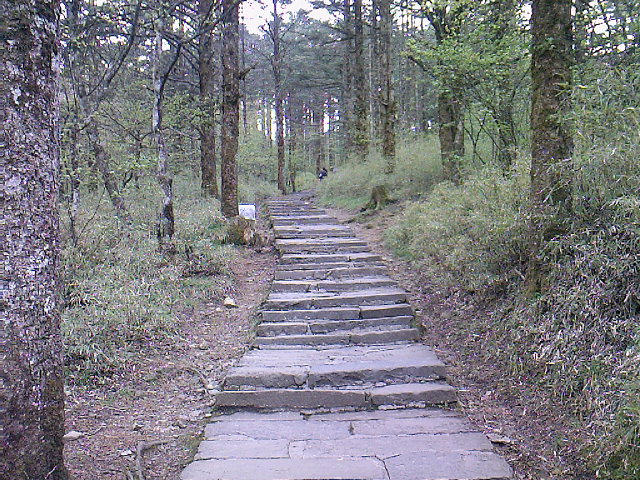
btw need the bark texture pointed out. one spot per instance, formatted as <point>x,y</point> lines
<point>451,134</point>
<point>166,222</point>
<point>206,57</point>
<point>276,66</point>
<point>230,107</point>
<point>387,98</point>
<point>361,107</point>
<point>551,141</point>
<point>31,382</point>
<point>346,88</point>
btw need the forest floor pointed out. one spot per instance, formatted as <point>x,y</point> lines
<point>164,397</point>
<point>523,425</point>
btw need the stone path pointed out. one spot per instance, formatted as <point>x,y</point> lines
<point>337,386</point>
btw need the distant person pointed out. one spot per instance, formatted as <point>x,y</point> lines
<point>322,173</point>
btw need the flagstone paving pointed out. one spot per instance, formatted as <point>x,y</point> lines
<point>337,385</point>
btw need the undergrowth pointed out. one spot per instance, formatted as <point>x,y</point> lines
<point>579,340</point>
<point>123,298</point>
<point>418,170</point>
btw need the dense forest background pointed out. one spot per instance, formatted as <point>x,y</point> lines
<point>431,99</point>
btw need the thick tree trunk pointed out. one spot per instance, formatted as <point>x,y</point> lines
<point>387,98</point>
<point>451,133</point>
<point>230,108</point>
<point>551,142</point>
<point>361,107</point>
<point>206,63</point>
<point>276,64</point>
<point>166,222</point>
<point>31,385</point>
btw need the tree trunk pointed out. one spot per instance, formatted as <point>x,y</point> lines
<point>387,98</point>
<point>31,385</point>
<point>276,64</point>
<point>451,133</point>
<point>375,72</point>
<point>346,101</point>
<point>230,107</point>
<point>166,222</point>
<point>361,108</point>
<point>206,56</point>
<point>551,142</point>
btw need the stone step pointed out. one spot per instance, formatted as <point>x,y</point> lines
<point>272,329</point>
<point>339,313</point>
<point>302,219</point>
<point>344,285</point>
<point>324,247</point>
<point>277,368</point>
<point>312,231</point>
<point>342,338</point>
<point>290,267</point>
<point>403,395</point>
<point>330,273</point>
<point>371,297</point>
<point>316,258</point>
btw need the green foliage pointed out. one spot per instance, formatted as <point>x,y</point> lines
<point>122,296</point>
<point>474,234</point>
<point>418,170</point>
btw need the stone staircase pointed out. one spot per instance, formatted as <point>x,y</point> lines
<point>337,380</point>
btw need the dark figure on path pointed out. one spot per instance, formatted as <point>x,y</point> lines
<point>322,173</point>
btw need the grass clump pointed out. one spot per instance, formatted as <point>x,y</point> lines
<point>474,234</point>
<point>123,298</point>
<point>418,169</point>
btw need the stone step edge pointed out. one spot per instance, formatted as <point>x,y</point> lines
<point>407,395</point>
<point>388,337</point>
<point>272,329</point>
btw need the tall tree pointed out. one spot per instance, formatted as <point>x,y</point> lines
<point>361,86</point>
<point>387,98</point>
<point>206,73</point>
<point>166,222</point>
<point>447,18</point>
<point>346,87</point>
<point>275,34</point>
<point>31,383</point>
<point>551,141</point>
<point>230,107</point>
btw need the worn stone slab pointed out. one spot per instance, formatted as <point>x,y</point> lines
<point>385,446</point>
<point>250,448</point>
<point>282,429</point>
<point>329,273</point>
<point>410,354</point>
<point>412,425</point>
<point>374,372</point>
<point>287,469</point>
<point>377,311</point>
<point>343,285</point>
<point>265,329</point>
<point>336,313</point>
<point>431,393</point>
<point>301,300</point>
<point>437,465</point>
<point>296,267</point>
<point>288,259</point>
<point>343,338</point>
<point>292,399</point>
<point>263,377</point>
